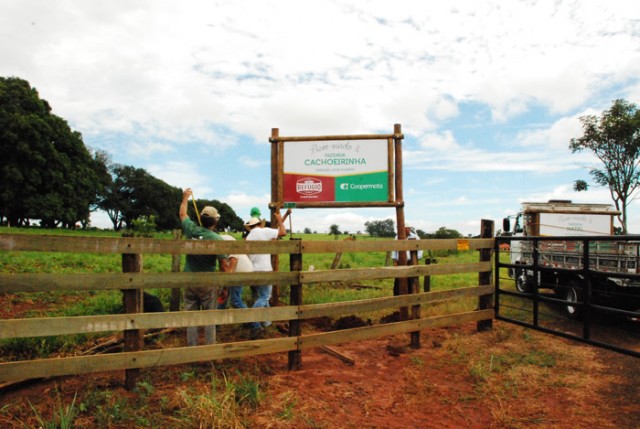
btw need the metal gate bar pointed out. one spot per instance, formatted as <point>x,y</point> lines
<point>587,306</point>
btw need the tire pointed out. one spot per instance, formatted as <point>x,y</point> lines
<point>524,283</point>
<point>573,294</point>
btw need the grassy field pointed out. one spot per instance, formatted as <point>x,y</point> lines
<point>507,378</point>
<point>75,303</point>
<point>228,390</point>
<point>106,302</point>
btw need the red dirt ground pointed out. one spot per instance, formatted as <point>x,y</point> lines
<point>394,386</point>
<point>440,385</point>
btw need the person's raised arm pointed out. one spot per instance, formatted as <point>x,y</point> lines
<point>183,206</point>
<point>282,231</point>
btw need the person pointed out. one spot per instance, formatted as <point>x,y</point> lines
<point>151,303</point>
<point>254,212</point>
<point>262,262</point>
<point>201,298</point>
<point>411,235</point>
<point>239,263</point>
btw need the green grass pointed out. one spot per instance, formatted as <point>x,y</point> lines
<point>222,405</point>
<point>63,417</point>
<point>108,302</point>
<point>77,303</point>
<point>506,367</point>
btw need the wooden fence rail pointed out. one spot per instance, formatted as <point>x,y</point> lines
<point>55,326</point>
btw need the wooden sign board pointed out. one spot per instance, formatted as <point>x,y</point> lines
<point>336,171</point>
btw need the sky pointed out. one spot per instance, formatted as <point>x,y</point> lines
<point>488,93</point>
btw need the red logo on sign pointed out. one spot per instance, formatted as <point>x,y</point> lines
<point>305,188</point>
<point>309,186</point>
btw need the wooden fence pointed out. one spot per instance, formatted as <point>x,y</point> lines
<point>296,278</point>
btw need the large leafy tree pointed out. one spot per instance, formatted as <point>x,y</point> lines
<point>614,138</point>
<point>130,193</point>
<point>105,181</point>
<point>46,172</point>
<point>111,199</point>
<point>133,192</point>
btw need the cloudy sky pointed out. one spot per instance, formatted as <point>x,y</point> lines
<point>488,93</point>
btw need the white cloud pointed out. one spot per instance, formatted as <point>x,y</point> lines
<point>194,88</point>
<point>557,136</point>
<point>439,142</point>
<point>252,162</point>
<point>146,148</point>
<point>472,159</point>
<point>243,202</point>
<point>182,175</point>
<point>166,69</point>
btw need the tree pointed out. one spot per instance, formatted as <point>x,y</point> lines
<point>614,138</point>
<point>103,169</point>
<point>228,217</point>
<point>130,193</point>
<point>134,193</point>
<point>334,230</point>
<point>46,172</point>
<point>580,185</point>
<point>443,232</point>
<point>111,198</point>
<point>380,228</point>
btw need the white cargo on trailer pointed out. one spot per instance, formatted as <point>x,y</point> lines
<point>558,224</point>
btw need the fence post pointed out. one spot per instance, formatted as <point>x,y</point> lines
<point>427,279</point>
<point>277,149</point>
<point>403,287</point>
<point>414,287</point>
<point>484,277</point>
<point>132,302</point>
<point>176,293</point>
<point>295,298</point>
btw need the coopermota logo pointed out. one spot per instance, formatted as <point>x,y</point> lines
<point>308,186</point>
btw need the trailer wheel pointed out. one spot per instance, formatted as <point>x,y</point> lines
<point>573,294</point>
<point>524,283</point>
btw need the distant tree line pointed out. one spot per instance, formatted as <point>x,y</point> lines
<point>386,228</point>
<point>441,232</point>
<point>47,173</point>
<point>380,228</point>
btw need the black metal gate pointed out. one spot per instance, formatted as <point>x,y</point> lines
<point>581,288</point>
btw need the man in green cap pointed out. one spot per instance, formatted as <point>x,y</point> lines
<point>254,213</point>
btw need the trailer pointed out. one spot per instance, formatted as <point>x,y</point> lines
<point>562,236</point>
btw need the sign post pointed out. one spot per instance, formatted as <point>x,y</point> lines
<point>340,171</point>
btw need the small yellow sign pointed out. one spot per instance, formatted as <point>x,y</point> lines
<point>463,244</point>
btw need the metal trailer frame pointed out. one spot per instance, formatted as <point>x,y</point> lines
<point>596,263</point>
